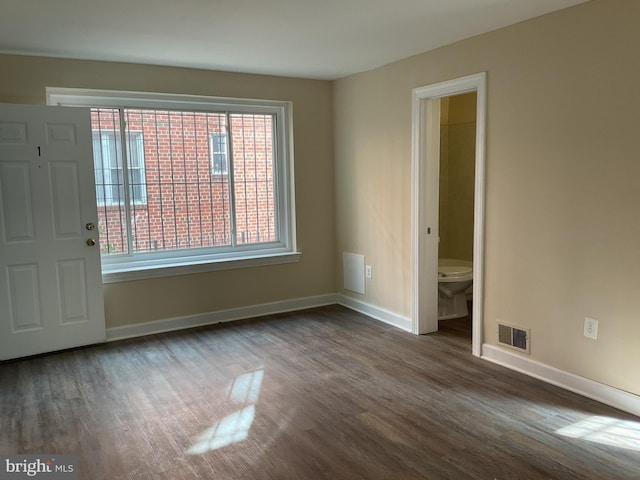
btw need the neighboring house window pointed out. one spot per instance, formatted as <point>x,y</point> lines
<point>109,172</point>
<point>202,183</point>
<point>219,163</point>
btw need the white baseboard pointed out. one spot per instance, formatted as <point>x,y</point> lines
<point>202,319</point>
<point>611,396</point>
<point>230,315</point>
<point>377,313</point>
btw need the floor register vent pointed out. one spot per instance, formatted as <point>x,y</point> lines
<point>513,337</point>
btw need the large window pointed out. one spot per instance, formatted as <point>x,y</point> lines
<point>179,187</point>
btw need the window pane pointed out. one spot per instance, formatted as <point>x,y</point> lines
<point>253,175</point>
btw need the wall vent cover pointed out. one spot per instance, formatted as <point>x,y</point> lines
<point>513,337</point>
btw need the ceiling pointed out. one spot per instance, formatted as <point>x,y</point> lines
<point>322,39</point>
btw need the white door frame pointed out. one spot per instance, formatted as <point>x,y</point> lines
<point>424,202</point>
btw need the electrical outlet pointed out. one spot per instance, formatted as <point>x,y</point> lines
<point>591,328</point>
<point>369,271</point>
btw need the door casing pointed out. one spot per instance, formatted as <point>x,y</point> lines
<point>424,202</point>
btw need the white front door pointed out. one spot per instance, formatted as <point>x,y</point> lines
<point>50,280</point>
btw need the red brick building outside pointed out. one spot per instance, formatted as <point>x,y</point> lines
<point>179,174</point>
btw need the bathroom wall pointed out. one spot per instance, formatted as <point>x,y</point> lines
<point>457,176</point>
<point>444,248</point>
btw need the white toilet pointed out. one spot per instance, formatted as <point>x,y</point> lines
<point>454,278</point>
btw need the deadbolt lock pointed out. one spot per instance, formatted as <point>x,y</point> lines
<point>90,226</point>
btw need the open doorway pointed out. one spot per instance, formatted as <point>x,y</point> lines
<point>428,112</point>
<point>455,213</point>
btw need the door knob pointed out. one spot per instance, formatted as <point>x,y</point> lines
<point>90,226</point>
<point>91,242</point>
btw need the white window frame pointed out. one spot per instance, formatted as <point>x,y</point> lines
<point>159,264</point>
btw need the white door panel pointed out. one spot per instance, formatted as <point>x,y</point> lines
<point>24,297</point>
<point>50,279</point>
<point>15,186</point>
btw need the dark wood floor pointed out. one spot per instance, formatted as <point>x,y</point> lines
<point>320,394</point>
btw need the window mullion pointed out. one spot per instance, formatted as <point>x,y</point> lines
<point>125,179</point>
<point>231,180</point>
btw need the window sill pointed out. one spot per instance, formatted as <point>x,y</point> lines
<point>126,273</point>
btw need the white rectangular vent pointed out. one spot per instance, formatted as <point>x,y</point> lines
<point>353,270</point>
<point>513,337</point>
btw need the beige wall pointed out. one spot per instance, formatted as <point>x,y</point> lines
<point>24,79</point>
<point>562,232</point>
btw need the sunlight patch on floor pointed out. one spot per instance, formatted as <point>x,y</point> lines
<point>605,430</point>
<point>234,427</point>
